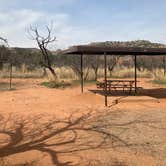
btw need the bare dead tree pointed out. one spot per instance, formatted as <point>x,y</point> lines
<point>43,43</point>
<point>5,42</point>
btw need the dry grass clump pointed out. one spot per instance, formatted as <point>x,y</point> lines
<point>129,73</point>
<point>67,74</point>
<point>19,74</point>
<point>158,77</point>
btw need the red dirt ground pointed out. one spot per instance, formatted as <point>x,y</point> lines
<point>137,120</point>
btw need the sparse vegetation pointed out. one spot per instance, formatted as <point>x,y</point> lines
<point>35,75</point>
<point>159,77</point>
<point>54,84</point>
<point>28,63</point>
<point>129,73</point>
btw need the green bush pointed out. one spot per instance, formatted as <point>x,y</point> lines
<point>54,84</point>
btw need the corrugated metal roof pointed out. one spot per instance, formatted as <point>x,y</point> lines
<point>100,50</point>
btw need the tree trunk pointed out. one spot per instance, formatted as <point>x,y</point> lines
<point>96,75</point>
<point>111,68</point>
<point>10,81</point>
<point>1,65</point>
<point>24,68</point>
<point>86,74</point>
<point>164,64</point>
<point>95,68</point>
<point>53,73</point>
<point>110,71</point>
<point>44,72</point>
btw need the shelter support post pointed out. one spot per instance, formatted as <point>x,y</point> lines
<point>135,72</point>
<point>82,75</point>
<point>105,79</point>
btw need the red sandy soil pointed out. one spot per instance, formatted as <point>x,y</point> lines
<point>143,118</point>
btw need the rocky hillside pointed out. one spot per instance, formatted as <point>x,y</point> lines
<point>137,43</point>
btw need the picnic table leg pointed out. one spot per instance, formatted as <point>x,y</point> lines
<point>123,87</point>
<point>109,88</point>
<point>130,87</point>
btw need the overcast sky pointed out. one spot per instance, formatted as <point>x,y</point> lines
<point>84,21</point>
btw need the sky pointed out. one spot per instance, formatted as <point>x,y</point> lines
<point>83,21</point>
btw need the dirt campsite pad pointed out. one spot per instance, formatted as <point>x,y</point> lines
<point>42,126</point>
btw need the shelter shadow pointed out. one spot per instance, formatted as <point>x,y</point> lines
<point>159,93</point>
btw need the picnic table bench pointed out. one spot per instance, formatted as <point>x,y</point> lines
<point>117,84</point>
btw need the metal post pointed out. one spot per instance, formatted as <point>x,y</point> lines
<point>105,78</point>
<point>164,64</point>
<point>82,75</point>
<point>135,64</point>
<point>10,81</point>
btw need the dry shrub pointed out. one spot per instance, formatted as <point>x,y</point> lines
<point>19,74</point>
<point>158,77</point>
<point>56,84</point>
<point>66,73</point>
<point>129,73</point>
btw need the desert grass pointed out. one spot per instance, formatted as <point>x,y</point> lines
<point>67,74</point>
<point>129,73</point>
<point>19,74</point>
<point>159,77</point>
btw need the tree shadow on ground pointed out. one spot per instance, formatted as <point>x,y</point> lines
<point>69,135</point>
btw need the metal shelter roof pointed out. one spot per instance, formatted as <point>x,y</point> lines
<point>100,50</point>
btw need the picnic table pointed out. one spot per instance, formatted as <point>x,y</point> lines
<point>117,84</point>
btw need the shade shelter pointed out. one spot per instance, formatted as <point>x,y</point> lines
<point>108,50</point>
